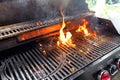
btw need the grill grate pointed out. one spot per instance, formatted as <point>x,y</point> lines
<point>59,63</point>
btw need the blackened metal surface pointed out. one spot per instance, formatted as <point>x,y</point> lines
<point>9,35</point>
<point>14,11</point>
<point>19,28</point>
<point>59,63</point>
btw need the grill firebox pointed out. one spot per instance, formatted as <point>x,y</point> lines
<point>59,63</point>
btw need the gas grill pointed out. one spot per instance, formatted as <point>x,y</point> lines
<point>28,61</point>
<point>29,50</point>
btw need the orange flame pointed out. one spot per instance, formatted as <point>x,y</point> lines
<point>64,37</point>
<point>83,28</point>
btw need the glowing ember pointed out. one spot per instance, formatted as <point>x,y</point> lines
<point>64,37</point>
<point>83,28</point>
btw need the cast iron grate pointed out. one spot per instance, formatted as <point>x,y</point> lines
<point>60,63</point>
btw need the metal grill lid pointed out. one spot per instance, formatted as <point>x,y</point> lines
<point>14,11</point>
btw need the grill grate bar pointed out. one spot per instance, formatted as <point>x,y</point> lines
<point>14,69</point>
<point>49,66</point>
<point>55,62</point>
<point>40,64</point>
<point>77,61</point>
<point>59,75</point>
<point>19,69</point>
<point>78,58</point>
<point>24,61</point>
<point>82,58</point>
<point>101,46</point>
<point>54,54</point>
<point>96,51</point>
<point>67,68</point>
<point>87,48</point>
<point>51,61</point>
<point>57,55</point>
<point>88,45</point>
<point>36,66</point>
<point>86,54</point>
<point>71,64</point>
<point>54,77</point>
<point>92,51</point>
<point>115,40</point>
<point>65,71</point>
<point>103,43</point>
<point>24,69</point>
<point>83,54</point>
<point>62,73</point>
<point>70,58</point>
<point>11,73</point>
<point>43,63</point>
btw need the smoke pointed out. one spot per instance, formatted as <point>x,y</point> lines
<point>12,11</point>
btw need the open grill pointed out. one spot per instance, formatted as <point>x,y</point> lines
<point>59,40</point>
<point>59,63</point>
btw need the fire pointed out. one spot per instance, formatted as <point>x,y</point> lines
<point>62,35</point>
<point>64,38</point>
<point>83,28</point>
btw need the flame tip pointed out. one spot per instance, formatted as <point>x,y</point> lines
<point>64,37</point>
